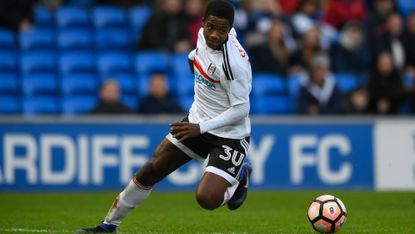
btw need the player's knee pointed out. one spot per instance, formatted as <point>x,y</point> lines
<point>149,175</point>
<point>209,200</point>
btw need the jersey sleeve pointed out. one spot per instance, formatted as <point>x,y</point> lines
<point>192,55</point>
<point>238,90</point>
<point>237,72</point>
<point>238,85</point>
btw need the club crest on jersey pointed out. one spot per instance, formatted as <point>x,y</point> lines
<point>211,69</point>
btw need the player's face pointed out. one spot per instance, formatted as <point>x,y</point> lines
<point>215,31</point>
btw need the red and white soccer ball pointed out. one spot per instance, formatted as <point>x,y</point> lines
<point>327,214</point>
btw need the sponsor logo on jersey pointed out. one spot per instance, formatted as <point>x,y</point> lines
<point>200,80</point>
<point>231,170</point>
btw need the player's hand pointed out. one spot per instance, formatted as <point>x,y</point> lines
<point>184,130</point>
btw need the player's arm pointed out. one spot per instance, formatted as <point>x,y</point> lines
<point>184,130</point>
<point>192,69</point>
<point>191,58</point>
<point>238,90</point>
<point>232,115</point>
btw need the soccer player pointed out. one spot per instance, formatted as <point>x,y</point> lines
<point>215,132</point>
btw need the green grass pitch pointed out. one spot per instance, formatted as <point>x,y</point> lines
<point>167,212</point>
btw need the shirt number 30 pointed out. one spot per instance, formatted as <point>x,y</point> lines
<point>237,157</point>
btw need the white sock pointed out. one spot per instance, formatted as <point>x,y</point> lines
<point>229,193</point>
<point>132,196</point>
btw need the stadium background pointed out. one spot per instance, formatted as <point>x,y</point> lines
<point>81,44</point>
<point>56,66</point>
<point>51,71</point>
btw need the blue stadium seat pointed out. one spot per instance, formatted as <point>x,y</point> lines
<point>406,6</point>
<point>41,105</point>
<point>75,39</point>
<point>180,66</point>
<point>109,17</point>
<point>186,102</point>
<point>9,83</point>
<point>184,86</point>
<point>174,84</point>
<point>43,17</point>
<point>77,62</point>
<point>406,106</point>
<point>81,3</point>
<point>7,39</point>
<point>408,81</point>
<point>8,62</point>
<point>77,105</point>
<point>148,62</point>
<point>113,39</point>
<point>35,39</point>
<point>40,84</point>
<point>42,61</point>
<point>77,84</point>
<point>72,17</point>
<point>116,62</point>
<point>142,86</point>
<point>346,82</point>
<point>294,84</point>
<point>267,105</point>
<point>268,84</point>
<point>138,18</point>
<point>9,104</point>
<point>126,82</point>
<point>131,101</point>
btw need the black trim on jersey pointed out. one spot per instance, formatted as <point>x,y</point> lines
<point>226,67</point>
<point>227,60</point>
<point>226,72</point>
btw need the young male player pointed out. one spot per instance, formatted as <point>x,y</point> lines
<point>217,128</point>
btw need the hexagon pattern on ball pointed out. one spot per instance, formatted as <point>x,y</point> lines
<point>327,214</point>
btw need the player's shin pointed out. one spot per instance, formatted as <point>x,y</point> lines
<point>132,196</point>
<point>229,193</point>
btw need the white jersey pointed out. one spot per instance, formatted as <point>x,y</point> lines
<point>223,78</point>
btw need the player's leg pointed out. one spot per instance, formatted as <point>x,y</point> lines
<point>166,159</point>
<point>214,191</point>
<point>211,191</point>
<point>226,177</point>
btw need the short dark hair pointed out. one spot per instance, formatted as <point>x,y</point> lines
<point>222,9</point>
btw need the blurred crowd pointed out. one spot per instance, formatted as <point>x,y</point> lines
<point>374,40</point>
